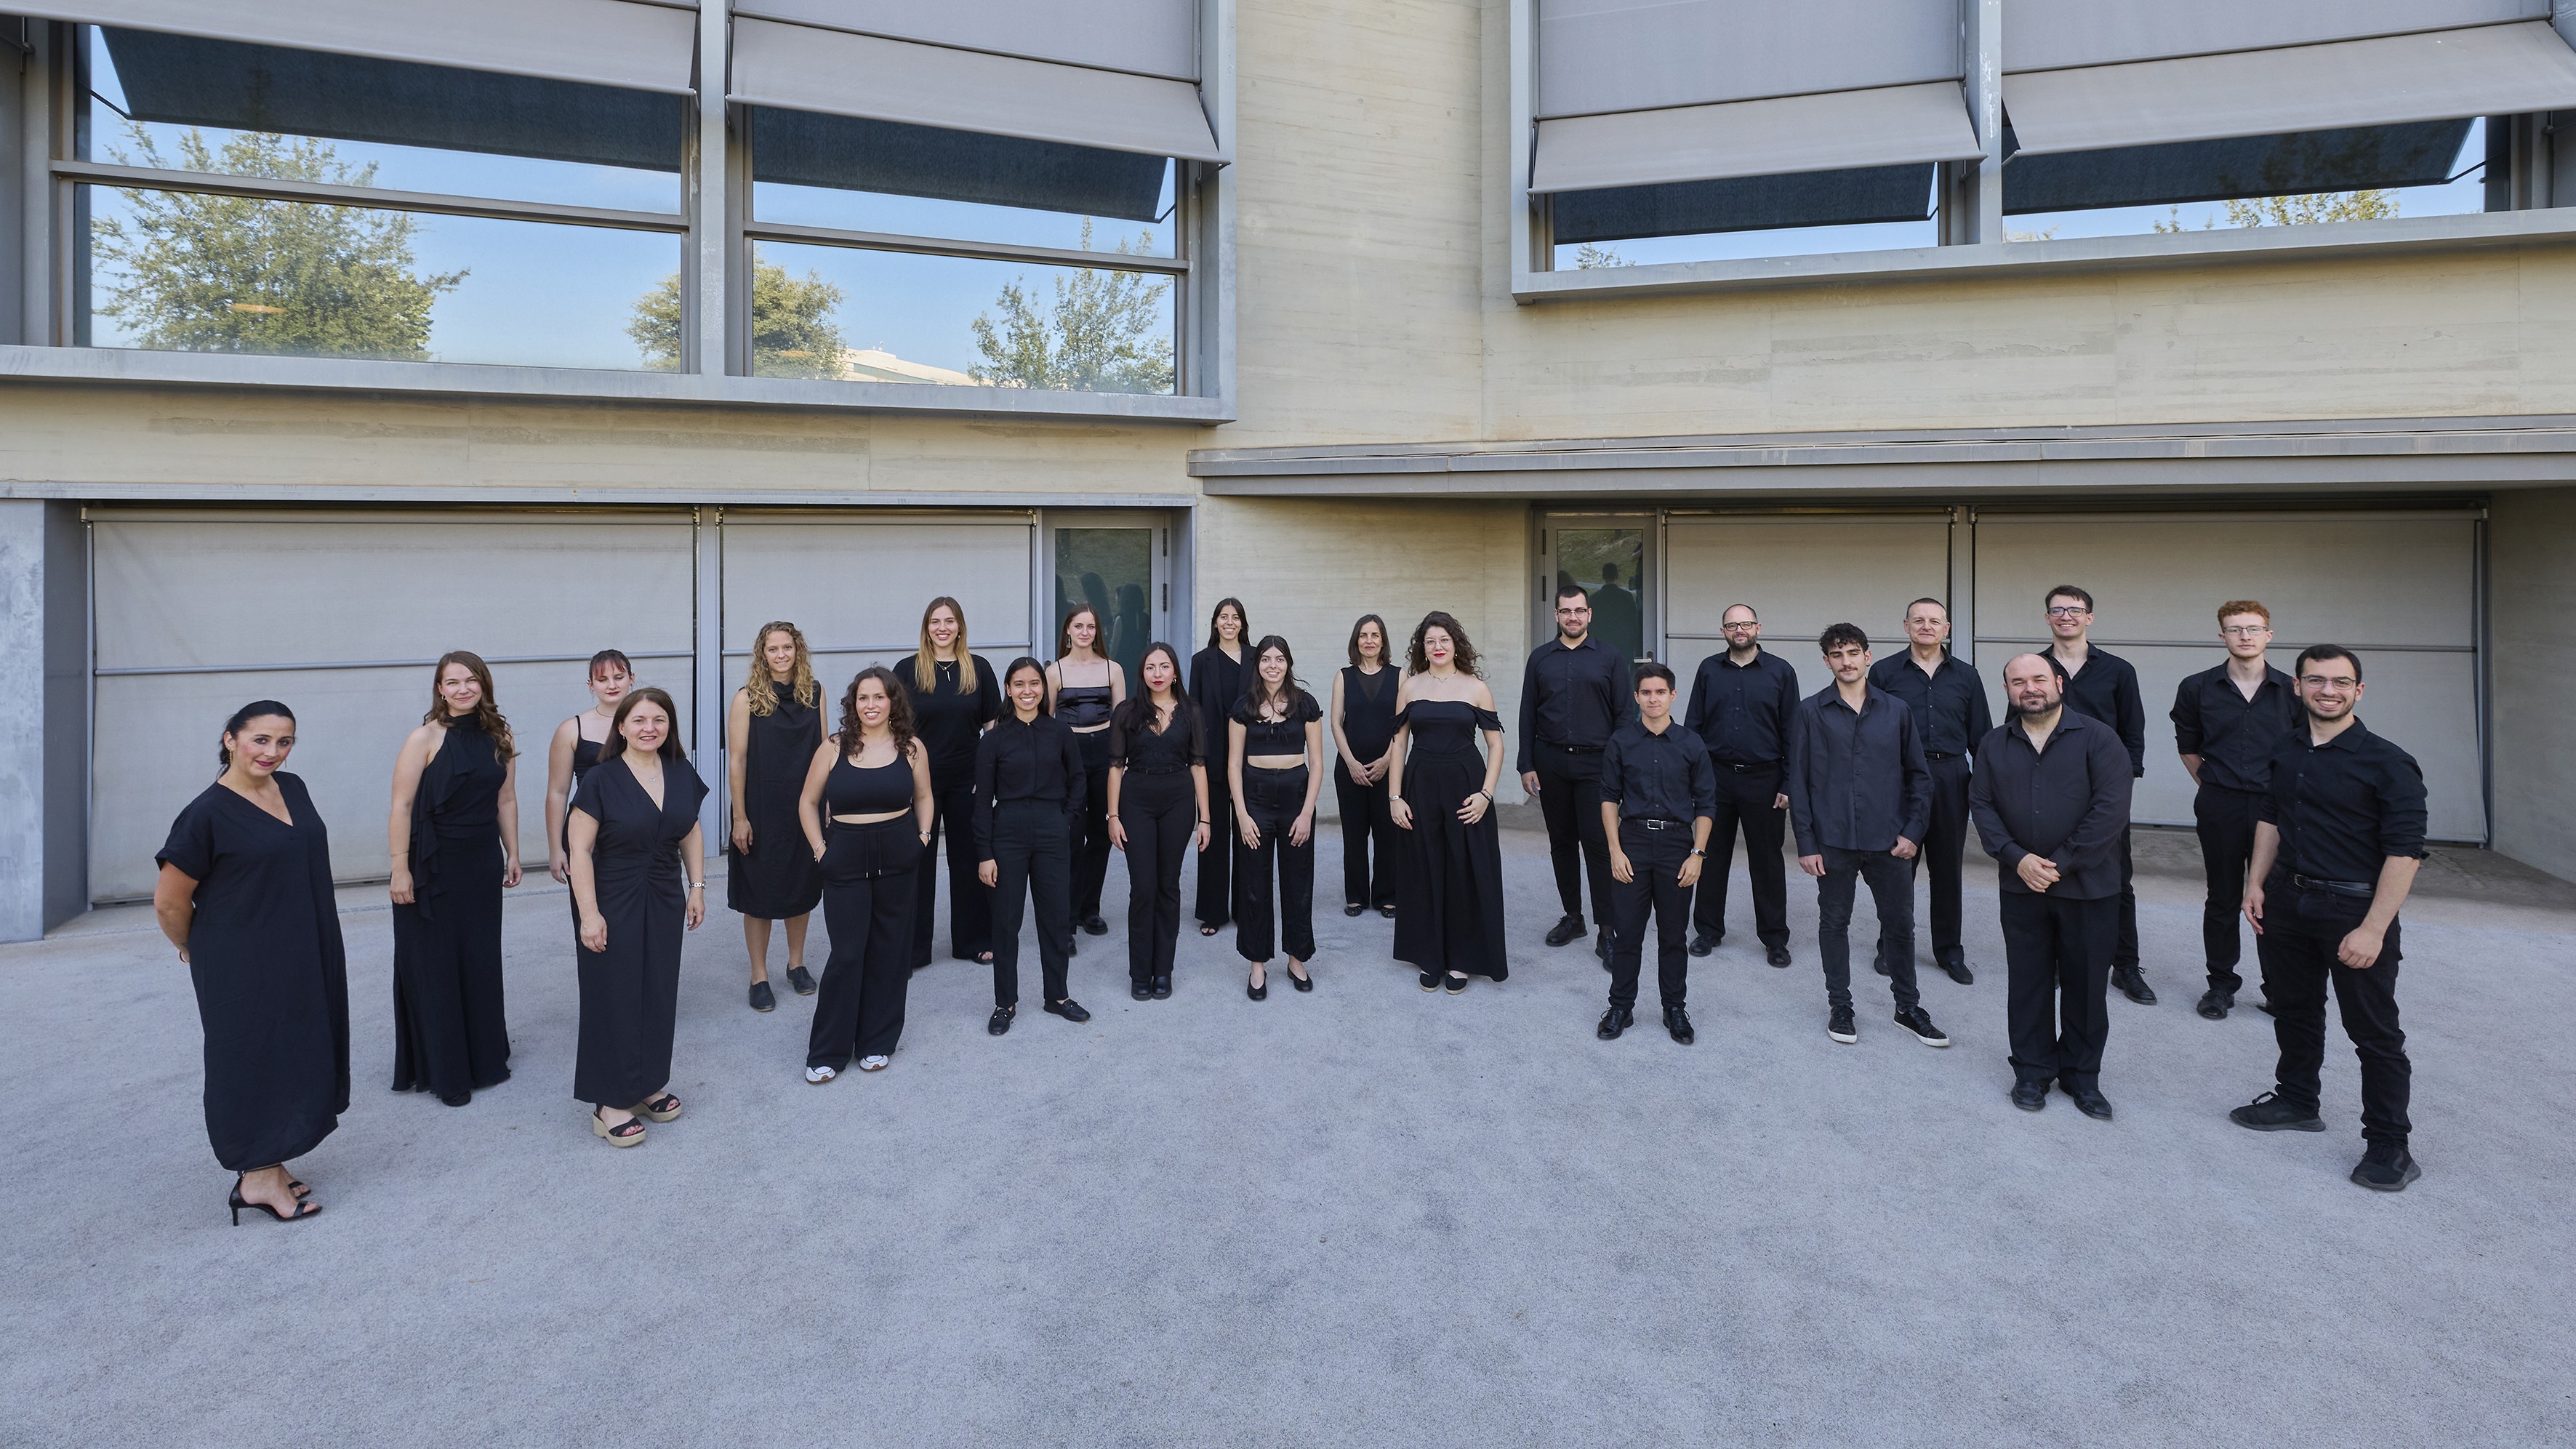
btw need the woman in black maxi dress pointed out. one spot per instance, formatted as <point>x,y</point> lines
<point>1449,910</point>
<point>630,855</point>
<point>774,726</point>
<point>455,788</point>
<point>1216,682</point>
<point>951,716</point>
<point>246,897</point>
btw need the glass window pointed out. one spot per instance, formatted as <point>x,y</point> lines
<point>1865,209</point>
<point>1112,570</point>
<point>1609,565</point>
<point>2361,173</point>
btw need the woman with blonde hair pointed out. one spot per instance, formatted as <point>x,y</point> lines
<point>955,697</point>
<point>1084,685</point>
<point>454,837</point>
<point>772,729</point>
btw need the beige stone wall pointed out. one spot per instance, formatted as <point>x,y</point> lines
<point>2532,560</point>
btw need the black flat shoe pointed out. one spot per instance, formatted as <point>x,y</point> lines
<point>1430,980</point>
<point>800,980</point>
<point>1093,925</point>
<point>1302,983</point>
<point>1001,1021</point>
<point>1070,1009</point>
<point>1162,988</point>
<point>1387,911</point>
<point>1257,993</point>
<point>762,998</point>
<point>1959,972</point>
<point>1353,909</point>
<point>457,1099</point>
<point>2215,1003</point>
<point>1141,990</point>
<point>2089,1101</point>
<point>1457,984</point>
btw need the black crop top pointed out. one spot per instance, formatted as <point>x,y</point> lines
<point>1276,737</point>
<point>1081,706</point>
<point>867,790</point>
<point>1148,751</point>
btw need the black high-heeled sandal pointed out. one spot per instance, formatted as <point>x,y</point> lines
<point>661,1108</point>
<point>302,1211</point>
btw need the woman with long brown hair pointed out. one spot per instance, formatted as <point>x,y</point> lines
<point>772,729</point>
<point>1158,807</point>
<point>866,812</point>
<point>1028,803</point>
<point>1363,717</point>
<point>1216,682</point>
<point>955,695</point>
<point>1084,686</point>
<point>1449,910</point>
<point>1275,754</point>
<point>454,834</point>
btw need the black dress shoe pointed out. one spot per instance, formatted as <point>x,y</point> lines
<point>1677,1021</point>
<point>2132,985</point>
<point>1778,955</point>
<point>2386,1167</point>
<point>1959,971</point>
<point>2030,1096</point>
<point>800,979</point>
<point>1142,989</point>
<point>1070,1009</point>
<point>1095,926</point>
<point>1566,929</point>
<point>1302,983</point>
<point>1702,945</point>
<point>1001,1021</point>
<point>2215,1003</point>
<point>762,998</point>
<point>1257,993</point>
<point>2089,1101</point>
<point>1162,988</point>
<point>2268,1113</point>
<point>1353,909</point>
<point>1614,1021</point>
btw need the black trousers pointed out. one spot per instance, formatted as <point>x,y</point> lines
<point>1272,798</point>
<point>1368,841</point>
<point>1891,886</point>
<point>2125,952</point>
<point>1215,903</point>
<point>1032,854</point>
<point>1945,850</point>
<point>1158,812</point>
<point>868,901</point>
<point>1744,799</point>
<point>1655,860</point>
<point>2306,929</point>
<point>2057,960</point>
<point>970,905</point>
<point>1089,834</point>
<point>1569,800</point>
<point>2224,820</point>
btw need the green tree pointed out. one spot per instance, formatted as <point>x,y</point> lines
<point>1593,257</point>
<point>792,334</point>
<point>1106,331</point>
<point>188,272</point>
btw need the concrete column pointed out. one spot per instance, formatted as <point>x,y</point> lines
<point>2531,659</point>
<point>44,711</point>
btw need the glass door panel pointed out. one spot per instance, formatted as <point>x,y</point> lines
<point>1609,565</point>
<point>1112,570</point>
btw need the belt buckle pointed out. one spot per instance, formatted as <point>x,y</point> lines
<point>1653,824</point>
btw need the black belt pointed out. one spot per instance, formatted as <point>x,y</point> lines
<point>1572,749</point>
<point>1161,770</point>
<point>1654,822</point>
<point>1746,769</point>
<point>1938,755</point>
<point>2337,887</point>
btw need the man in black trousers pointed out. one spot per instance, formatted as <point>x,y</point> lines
<point>2051,797</point>
<point>2340,837</point>
<point>2102,685</point>
<point>1740,703</point>
<point>1858,798</point>
<point>1950,713</point>
<point>1657,792</point>
<point>1573,694</point>
<point>2227,721</point>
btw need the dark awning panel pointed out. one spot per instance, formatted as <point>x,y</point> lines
<point>2302,163</point>
<point>805,148</point>
<point>1746,203</point>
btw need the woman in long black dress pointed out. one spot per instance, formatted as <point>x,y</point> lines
<point>1158,809</point>
<point>1084,687</point>
<point>634,836</point>
<point>1275,754</point>
<point>1449,908</point>
<point>245,894</point>
<point>772,730</point>
<point>455,841</point>
<point>571,753</point>
<point>1028,802</point>
<point>866,813</point>
<point>1363,730</point>
<point>955,694</point>
<point>1216,682</point>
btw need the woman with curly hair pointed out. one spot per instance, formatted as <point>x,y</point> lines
<point>866,812</point>
<point>1449,913</point>
<point>772,729</point>
<point>454,835</point>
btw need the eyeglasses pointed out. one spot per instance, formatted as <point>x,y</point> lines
<point>2319,681</point>
<point>1733,626</point>
<point>2244,631</point>
<point>2067,611</point>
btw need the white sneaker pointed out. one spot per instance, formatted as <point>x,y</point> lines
<point>872,1064</point>
<point>819,1075</point>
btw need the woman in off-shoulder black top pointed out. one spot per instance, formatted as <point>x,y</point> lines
<point>1158,810</point>
<point>1449,909</point>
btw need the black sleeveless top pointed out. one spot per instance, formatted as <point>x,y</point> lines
<point>1082,706</point>
<point>585,753</point>
<point>867,790</point>
<point>1368,710</point>
<point>1280,736</point>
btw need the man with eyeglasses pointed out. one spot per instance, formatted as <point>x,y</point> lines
<point>2101,685</point>
<point>2227,721</point>
<point>2336,848</point>
<point>1950,712</point>
<point>1740,703</point>
<point>1573,694</point>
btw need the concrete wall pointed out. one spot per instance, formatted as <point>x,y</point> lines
<point>2532,579</point>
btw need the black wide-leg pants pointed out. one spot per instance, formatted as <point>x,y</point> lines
<point>1032,855</point>
<point>868,902</point>
<point>1368,840</point>
<point>1158,812</point>
<point>1273,798</point>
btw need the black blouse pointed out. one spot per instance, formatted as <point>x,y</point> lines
<point>1216,684</point>
<point>949,722</point>
<point>1040,760</point>
<point>1276,736</point>
<point>1368,710</point>
<point>1149,751</point>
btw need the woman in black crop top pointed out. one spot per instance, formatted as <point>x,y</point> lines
<point>1083,687</point>
<point>866,809</point>
<point>1363,730</point>
<point>1276,762</point>
<point>1029,788</point>
<point>1449,910</point>
<point>1158,812</point>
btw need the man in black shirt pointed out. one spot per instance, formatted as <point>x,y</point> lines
<point>1573,694</point>
<point>1656,786</point>
<point>2335,852</point>
<point>1740,703</point>
<point>2104,686</point>
<point>2051,796</point>
<point>1858,798</point>
<point>1950,713</point>
<point>2227,721</point>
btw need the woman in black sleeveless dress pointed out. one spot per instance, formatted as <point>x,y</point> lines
<point>455,829</point>
<point>245,894</point>
<point>1216,682</point>
<point>571,753</point>
<point>1084,686</point>
<point>1449,913</point>
<point>1158,808</point>
<point>1363,729</point>
<point>866,813</point>
<point>635,836</point>
<point>955,694</point>
<point>772,730</point>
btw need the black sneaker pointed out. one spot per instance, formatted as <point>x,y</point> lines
<point>2386,1167</point>
<point>1613,1022</point>
<point>762,998</point>
<point>2268,1113</point>
<point>1566,929</point>
<point>801,980</point>
<point>1840,1026</point>
<point>1918,1021</point>
<point>2215,1003</point>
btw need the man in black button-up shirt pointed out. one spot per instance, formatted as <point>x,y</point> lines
<point>1573,694</point>
<point>2104,686</point>
<point>2227,721</point>
<point>2336,850</point>
<point>1656,789</point>
<point>1950,713</point>
<point>1740,703</point>
<point>2051,797</point>
<point>1858,798</point>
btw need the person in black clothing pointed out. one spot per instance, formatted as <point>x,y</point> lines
<point>1158,810</point>
<point>1363,719</point>
<point>1028,803</point>
<point>1950,712</point>
<point>1084,686</point>
<point>1859,795</point>
<point>2051,796</point>
<point>1740,704</point>
<point>1275,753</point>
<point>2104,686</point>
<point>2227,721</point>
<point>866,811</point>
<point>1574,692</point>
<point>955,696</point>
<point>1656,783</point>
<point>2335,852</point>
<point>1216,682</point>
<point>772,729</point>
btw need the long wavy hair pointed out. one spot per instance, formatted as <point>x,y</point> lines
<point>1417,662</point>
<point>898,710</point>
<point>487,712</point>
<point>1257,690</point>
<point>1137,714</point>
<point>925,664</point>
<point>1099,632</point>
<point>1012,671</point>
<point>1242,616</point>
<point>615,744</point>
<point>764,700</point>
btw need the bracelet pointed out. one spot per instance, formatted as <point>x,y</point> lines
<point>697,885</point>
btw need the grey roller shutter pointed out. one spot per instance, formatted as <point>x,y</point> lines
<point>2056,34</point>
<point>1841,131</point>
<point>799,567</point>
<point>1800,574</point>
<point>1148,37</point>
<point>1633,55</point>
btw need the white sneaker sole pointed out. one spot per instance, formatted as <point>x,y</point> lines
<point>819,1075</point>
<point>1930,1041</point>
<point>1846,1038</point>
<point>872,1064</point>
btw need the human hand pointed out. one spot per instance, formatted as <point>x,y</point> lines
<point>1903,849</point>
<point>2360,949</point>
<point>1690,871</point>
<point>1620,870</point>
<point>697,906</point>
<point>989,873</point>
<point>1529,781</point>
<point>1813,865</point>
<point>594,932</point>
<point>1474,808</point>
<point>510,875</point>
<point>1117,832</point>
<point>1302,829</point>
<point>2037,872</point>
<point>2254,905</point>
<point>741,835</point>
<point>400,886</point>
<point>1780,802</point>
<point>1400,813</point>
<point>560,868</point>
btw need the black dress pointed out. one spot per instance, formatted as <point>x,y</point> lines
<point>585,753</point>
<point>450,1035</point>
<point>1369,851</point>
<point>630,993</point>
<point>272,980</point>
<point>949,721</point>
<point>777,880</point>
<point>1216,684</point>
<point>1449,910</point>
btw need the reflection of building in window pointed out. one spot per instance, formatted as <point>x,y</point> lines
<point>870,364</point>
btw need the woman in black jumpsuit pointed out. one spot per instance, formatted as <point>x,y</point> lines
<point>1158,809</point>
<point>456,847</point>
<point>1028,803</point>
<point>1216,682</point>
<point>772,729</point>
<point>955,694</point>
<point>245,894</point>
<point>1363,730</point>
<point>866,813</point>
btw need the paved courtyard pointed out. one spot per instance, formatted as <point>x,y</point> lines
<point>1361,1216</point>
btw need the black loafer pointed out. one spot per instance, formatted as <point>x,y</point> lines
<point>2268,1113</point>
<point>2030,1096</point>
<point>1162,988</point>
<point>1302,983</point>
<point>1778,955</point>
<point>1566,929</point>
<point>1141,990</point>
<point>1613,1022</point>
<point>1070,1009</point>
<point>762,998</point>
<point>1353,909</point>
<point>2089,1101</point>
<point>1677,1021</point>
<point>801,980</point>
<point>1093,925</point>
<point>1702,945</point>
<point>1001,1021</point>
<point>1959,972</point>
<point>2215,1004</point>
